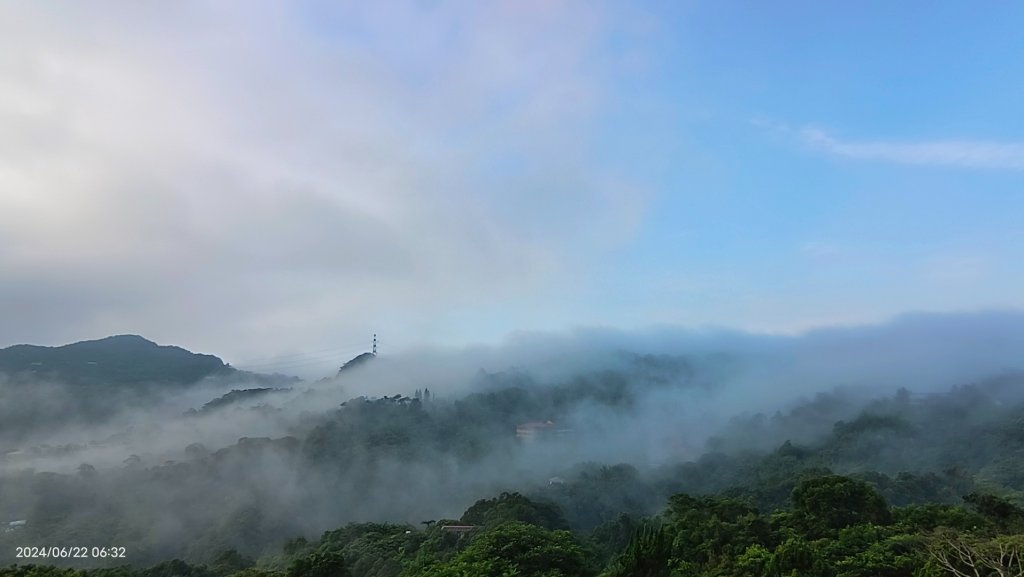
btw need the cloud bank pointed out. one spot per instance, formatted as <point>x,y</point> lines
<point>201,172</point>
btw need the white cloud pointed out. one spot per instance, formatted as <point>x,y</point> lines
<point>954,153</point>
<point>222,174</point>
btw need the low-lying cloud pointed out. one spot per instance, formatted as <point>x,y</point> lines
<point>297,461</point>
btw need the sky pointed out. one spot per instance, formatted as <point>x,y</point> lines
<point>274,182</point>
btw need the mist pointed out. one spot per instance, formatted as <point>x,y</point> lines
<point>176,474</point>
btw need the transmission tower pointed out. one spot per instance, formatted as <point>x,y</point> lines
<point>374,344</point>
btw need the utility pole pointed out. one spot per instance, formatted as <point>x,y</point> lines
<point>374,344</point>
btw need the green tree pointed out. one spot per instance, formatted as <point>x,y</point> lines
<point>517,549</point>
<point>229,562</point>
<point>319,564</point>
<point>753,562</point>
<point>795,557</point>
<point>823,505</point>
<point>711,531</point>
<point>612,537</point>
<point>515,507</point>
<point>1006,515</point>
<point>648,555</point>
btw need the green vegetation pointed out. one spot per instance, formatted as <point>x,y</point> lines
<point>837,527</point>
<point>122,359</point>
<point>900,486</point>
<point>91,382</point>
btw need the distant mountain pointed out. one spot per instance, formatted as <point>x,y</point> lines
<point>105,377</point>
<point>121,359</point>
<point>236,397</point>
<point>357,361</point>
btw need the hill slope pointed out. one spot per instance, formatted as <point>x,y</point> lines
<point>120,359</point>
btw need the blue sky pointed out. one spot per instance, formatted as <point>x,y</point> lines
<point>752,221</point>
<point>262,179</point>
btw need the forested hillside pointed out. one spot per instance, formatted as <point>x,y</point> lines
<point>49,393</point>
<point>490,483</point>
<point>110,361</point>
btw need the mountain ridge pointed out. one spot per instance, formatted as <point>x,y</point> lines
<point>116,359</point>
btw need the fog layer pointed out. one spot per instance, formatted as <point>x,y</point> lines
<point>192,470</point>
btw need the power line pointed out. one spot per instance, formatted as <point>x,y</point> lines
<point>300,362</point>
<point>285,357</point>
<point>285,369</point>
